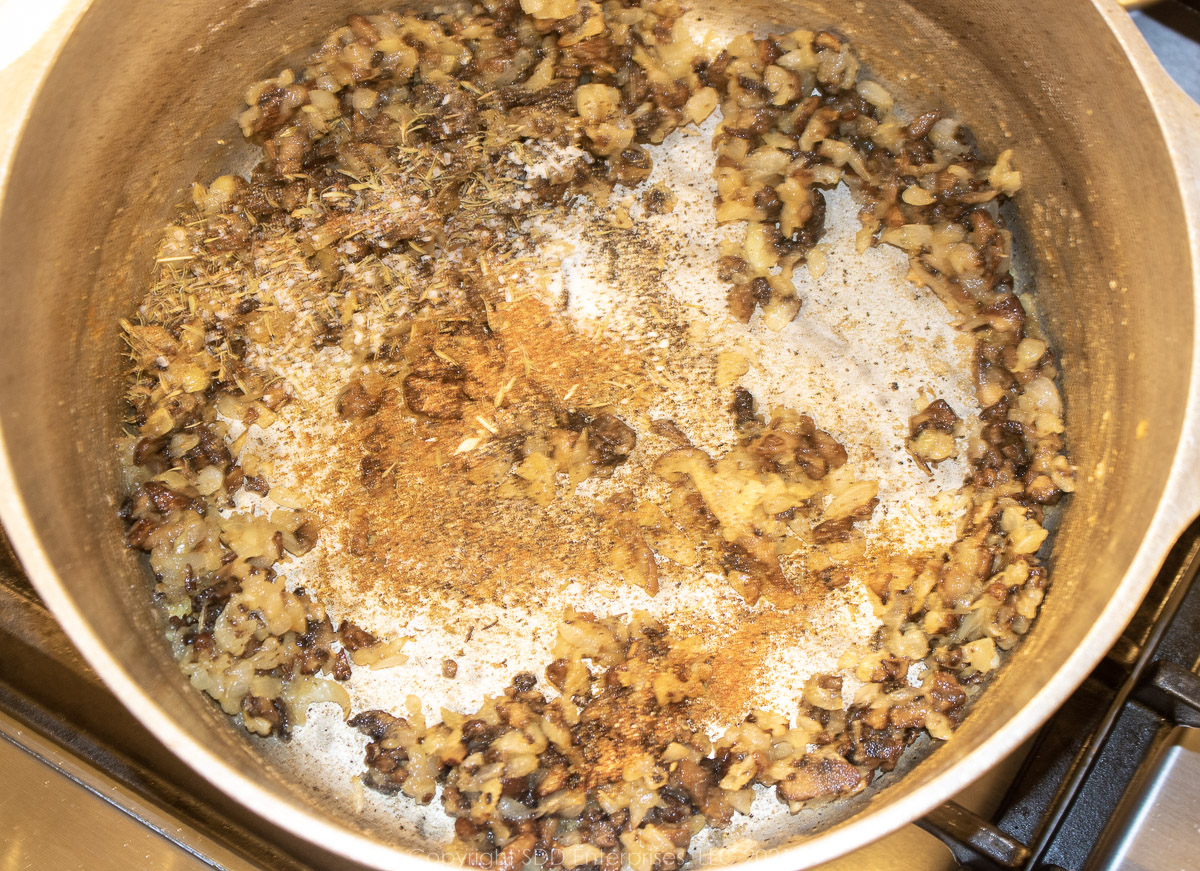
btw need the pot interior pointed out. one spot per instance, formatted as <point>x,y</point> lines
<point>143,100</point>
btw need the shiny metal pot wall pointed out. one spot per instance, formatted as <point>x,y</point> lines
<point>132,109</point>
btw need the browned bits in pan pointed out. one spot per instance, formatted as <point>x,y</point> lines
<point>408,141</point>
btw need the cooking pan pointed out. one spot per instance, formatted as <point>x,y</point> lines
<point>137,98</point>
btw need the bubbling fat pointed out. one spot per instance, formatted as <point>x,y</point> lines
<point>616,435</point>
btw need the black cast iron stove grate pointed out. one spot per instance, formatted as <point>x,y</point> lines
<point>1082,788</point>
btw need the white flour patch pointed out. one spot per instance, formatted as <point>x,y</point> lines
<point>866,351</point>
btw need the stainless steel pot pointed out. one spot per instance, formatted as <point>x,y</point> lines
<point>137,99</point>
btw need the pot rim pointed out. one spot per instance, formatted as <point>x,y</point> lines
<point>1177,116</point>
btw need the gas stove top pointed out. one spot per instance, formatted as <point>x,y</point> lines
<point>1111,782</point>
